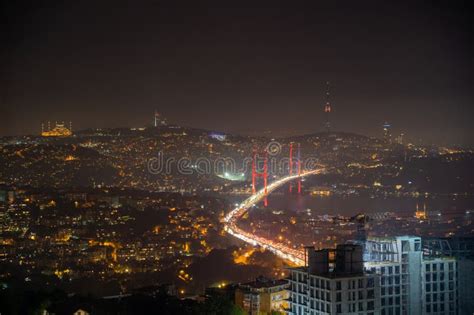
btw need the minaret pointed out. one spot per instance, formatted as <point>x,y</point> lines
<point>327,109</point>
<point>421,214</point>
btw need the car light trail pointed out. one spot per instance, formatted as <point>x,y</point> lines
<point>230,222</point>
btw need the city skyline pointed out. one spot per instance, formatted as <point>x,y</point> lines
<point>245,158</point>
<point>243,69</point>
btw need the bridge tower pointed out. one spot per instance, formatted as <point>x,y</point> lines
<point>291,165</point>
<point>299,168</point>
<point>256,173</point>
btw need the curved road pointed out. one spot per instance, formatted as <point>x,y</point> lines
<point>230,222</point>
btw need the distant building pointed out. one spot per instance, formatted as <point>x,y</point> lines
<point>421,214</point>
<point>387,135</point>
<point>262,296</point>
<point>159,120</point>
<point>59,130</point>
<point>334,282</point>
<point>399,139</point>
<point>11,196</point>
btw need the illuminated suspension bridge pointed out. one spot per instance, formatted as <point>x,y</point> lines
<point>230,221</point>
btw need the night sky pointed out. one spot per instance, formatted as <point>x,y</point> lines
<point>240,68</point>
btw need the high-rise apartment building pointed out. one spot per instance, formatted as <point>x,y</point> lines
<point>411,282</point>
<point>334,282</point>
<point>462,248</point>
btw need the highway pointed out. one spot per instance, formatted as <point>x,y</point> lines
<point>281,250</point>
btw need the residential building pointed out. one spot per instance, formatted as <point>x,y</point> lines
<point>411,283</point>
<point>263,296</point>
<point>333,281</point>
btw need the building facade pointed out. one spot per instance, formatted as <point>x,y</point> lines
<point>462,248</point>
<point>263,296</point>
<point>334,282</point>
<point>411,283</point>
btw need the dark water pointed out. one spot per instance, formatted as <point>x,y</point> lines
<point>349,205</point>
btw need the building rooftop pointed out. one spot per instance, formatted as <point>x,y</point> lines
<point>263,282</point>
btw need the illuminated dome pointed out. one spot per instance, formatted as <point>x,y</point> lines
<point>60,130</point>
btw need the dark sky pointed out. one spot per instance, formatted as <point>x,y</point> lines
<point>242,68</point>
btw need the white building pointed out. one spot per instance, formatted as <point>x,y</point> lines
<point>334,282</point>
<point>462,248</point>
<point>411,283</point>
